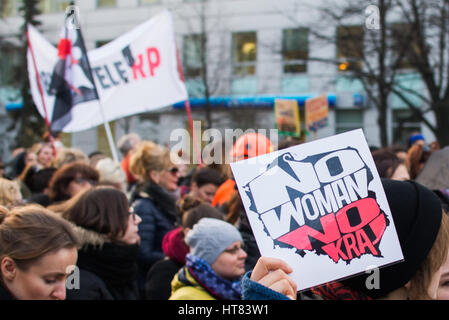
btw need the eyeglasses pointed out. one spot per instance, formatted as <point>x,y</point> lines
<point>173,170</point>
<point>132,213</point>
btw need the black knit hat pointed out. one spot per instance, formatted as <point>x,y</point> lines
<point>417,216</point>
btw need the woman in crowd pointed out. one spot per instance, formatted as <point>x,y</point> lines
<point>158,282</point>
<point>443,287</point>
<point>9,193</point>
<point>70,179</point>
<point>390,166</point>
<point>152,201</point>
<point>37,253</point>
<point>214,265</point>
<point>111,173</point>
<point>68,155</point>
<point>107,229</point>
<point>44,155</point>
<point>423,231</point>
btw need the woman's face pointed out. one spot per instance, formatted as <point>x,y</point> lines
<point>45,279</point>
<point>45,156</point>
<point>443,286</point>
<point>131,235</point>
<point>30,159</point>
<point>168,178</point>
<point>230,264</point>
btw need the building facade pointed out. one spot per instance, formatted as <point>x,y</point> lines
<point>249,49</point>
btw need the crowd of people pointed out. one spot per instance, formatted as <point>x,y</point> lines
<point>152,228</point>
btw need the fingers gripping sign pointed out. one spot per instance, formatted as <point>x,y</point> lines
<point>273,273</point>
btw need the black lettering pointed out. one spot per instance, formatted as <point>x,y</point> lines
<point>100,77</point>
<point>121,72</point>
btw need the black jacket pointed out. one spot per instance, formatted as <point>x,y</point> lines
<point>107,270</point>
<point>157,209</point>
<point>158,282</point>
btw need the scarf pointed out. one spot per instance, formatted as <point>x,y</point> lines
<point>338,291</point>
<point>217,286</point>
<point>174,247</point>
<point>114,263</point>
<point>163,200</point>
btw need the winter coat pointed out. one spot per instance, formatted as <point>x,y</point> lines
<point>160,275</point>
<point>187,288</point>
<point>157,210</point>
<point>107,270</point>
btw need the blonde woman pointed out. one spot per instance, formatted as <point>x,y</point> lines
<point>152,201</point>
<point>9,193</point>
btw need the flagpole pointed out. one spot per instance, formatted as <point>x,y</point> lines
<point>189,112</point>
<point>105,122</point>
<point>41,92</point>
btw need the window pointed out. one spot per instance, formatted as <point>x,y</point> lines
<point>192,55</point>
<point>9,61</point>
<point>350,47</point>
<point>405,122</point>
<point>51,6</point>
<point>348,119</point>
<point>8,8</point>
<point>244,53</point>
<point>295,50</point>
<point>106,3</point>
<point>403,45</point>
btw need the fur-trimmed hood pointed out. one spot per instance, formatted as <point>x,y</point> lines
<point>90,237</point>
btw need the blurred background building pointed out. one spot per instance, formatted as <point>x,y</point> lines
<point>237,55</point>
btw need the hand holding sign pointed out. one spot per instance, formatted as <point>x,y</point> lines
<point>320,207</point>
<point>272,273</point>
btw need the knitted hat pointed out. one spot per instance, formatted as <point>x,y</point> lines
<point>210,237</point>
<point>417,217</point>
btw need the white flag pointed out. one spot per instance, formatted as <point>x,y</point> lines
<point>136,72</point>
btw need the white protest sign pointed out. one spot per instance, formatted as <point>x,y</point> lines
<point>321,207</point>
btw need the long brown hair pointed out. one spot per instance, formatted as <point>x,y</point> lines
<point>27,233</point>
<point>101,209</point>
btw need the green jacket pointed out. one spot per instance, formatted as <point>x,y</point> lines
<point>185,287</point>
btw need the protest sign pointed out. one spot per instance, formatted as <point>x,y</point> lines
<point>287,117</point>
<point>316,113</point>
<point>320,207</point>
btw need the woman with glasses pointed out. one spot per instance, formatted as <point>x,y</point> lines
<point>215,264</point>
<point>153,200</point>
<point>108,231</point>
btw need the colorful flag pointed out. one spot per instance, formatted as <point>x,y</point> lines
<point>136,72</point>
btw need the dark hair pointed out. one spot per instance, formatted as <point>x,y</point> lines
<point>101,209</point>
<point>64,175</point>
<point>205,176</point>
<point>27,233</point>
<point>203,210</point>
<point>386,162</point>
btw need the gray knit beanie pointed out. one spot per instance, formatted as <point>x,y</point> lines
<point>210,237</point>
